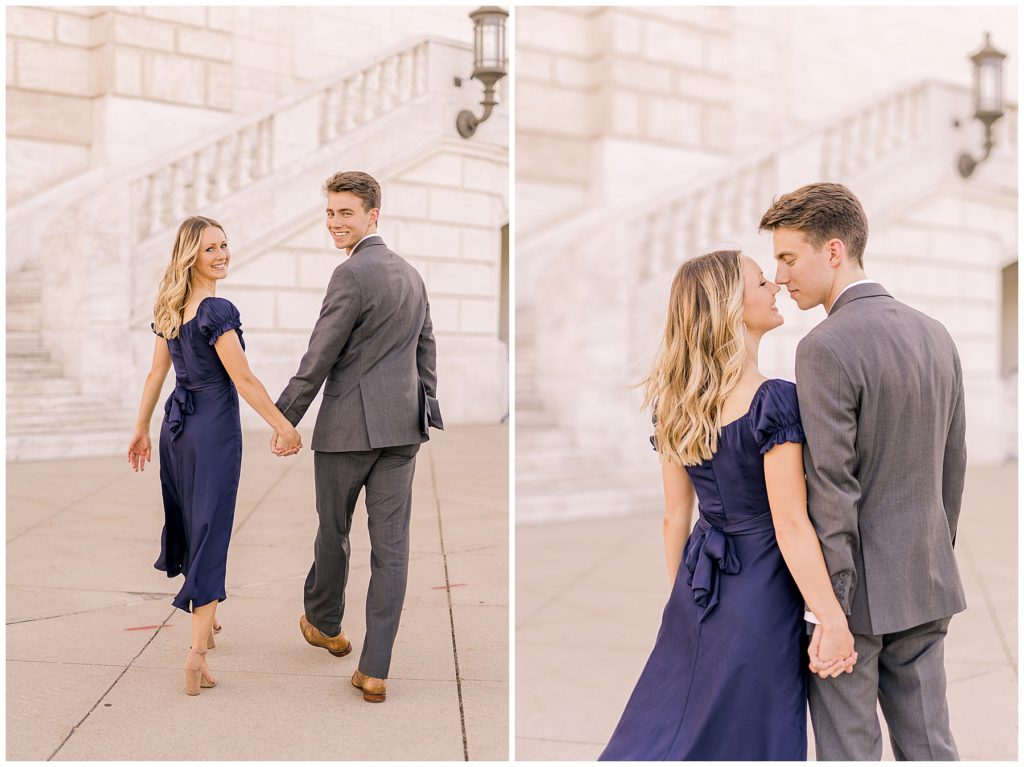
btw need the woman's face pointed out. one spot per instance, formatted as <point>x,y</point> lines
<point>214,256</point>
<point>759,311</point>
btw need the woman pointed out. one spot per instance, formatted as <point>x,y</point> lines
<point>201,437</point>
<point>726,677</point>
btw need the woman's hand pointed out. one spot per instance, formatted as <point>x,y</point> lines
<point>832,650</point>
<point>286,441</point>
<point>140,450</point>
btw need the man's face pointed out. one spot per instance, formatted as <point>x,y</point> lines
<point>802,269</point>
<point>347,220</point>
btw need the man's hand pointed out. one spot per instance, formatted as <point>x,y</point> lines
<point>287,442</point>
<point>831,651</point>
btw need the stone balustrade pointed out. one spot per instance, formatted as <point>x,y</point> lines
<point>244,152</point>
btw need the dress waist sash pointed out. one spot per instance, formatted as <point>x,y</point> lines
<point>180,403</point>
<point>712,553</point>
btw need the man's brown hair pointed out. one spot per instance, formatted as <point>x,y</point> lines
<point>362,185</point>
<point>822,212</point>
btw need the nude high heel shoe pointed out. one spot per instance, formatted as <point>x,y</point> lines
<point>195,675</point>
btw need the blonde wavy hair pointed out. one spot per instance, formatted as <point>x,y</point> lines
<point>701,357</point>
<point>176,284</point>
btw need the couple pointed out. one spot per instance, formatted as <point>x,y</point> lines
<point>864,541</point>
<point>372,350</point>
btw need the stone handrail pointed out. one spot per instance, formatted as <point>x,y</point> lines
<point>710,209</point>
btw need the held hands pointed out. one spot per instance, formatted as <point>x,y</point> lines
<point>140,450</point>
<point>831,651</point>
<point>285,442</point>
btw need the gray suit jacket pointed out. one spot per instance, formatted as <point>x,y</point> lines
<point>882,403</point>
<point>373,351</point>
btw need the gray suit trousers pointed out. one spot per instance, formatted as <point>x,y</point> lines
<point>387,474</point>
<point>904,672</point>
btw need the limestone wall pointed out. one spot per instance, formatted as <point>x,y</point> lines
<point>94,85</point>
<point>634,99</point>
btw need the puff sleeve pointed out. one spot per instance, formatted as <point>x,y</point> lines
<point>776,415</point>
<point>216,317</point>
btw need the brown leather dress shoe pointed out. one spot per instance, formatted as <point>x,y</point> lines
<point>338,646</point>
<point>373,689</point>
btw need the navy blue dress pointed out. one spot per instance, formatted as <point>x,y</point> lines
<point>726,679</point>
<point>200,457</point>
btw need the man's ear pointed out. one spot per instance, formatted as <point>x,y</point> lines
<point>836,252</point>
<point>374,215</point>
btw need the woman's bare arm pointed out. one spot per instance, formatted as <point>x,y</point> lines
<point>679,503</point>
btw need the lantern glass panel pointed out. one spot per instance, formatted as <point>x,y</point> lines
<point>989,88</point>
<point>490,50</point>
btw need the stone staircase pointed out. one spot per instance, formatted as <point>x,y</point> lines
<point>555,478</point>
<point>78,330</point>
<point>46,410</point>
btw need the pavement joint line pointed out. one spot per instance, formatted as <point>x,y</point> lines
<point>113,684</point>
<point>572,582</point>
<point>451,612</point>
<point>83,612</point>
<point>64,508</point>
<point>993,613</point>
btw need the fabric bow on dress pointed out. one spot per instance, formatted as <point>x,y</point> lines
<point>179,404</point>
<point>711,554</point>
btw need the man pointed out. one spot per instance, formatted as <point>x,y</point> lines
<point>882,403</point>
<point>373,351</point>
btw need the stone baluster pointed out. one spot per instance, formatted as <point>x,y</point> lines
<point>380,95</point>
<point>368,94</point>
<point>140,208</point>
<point>681,227</point>
<point>266,144</point>
<point>156,202</point>
<point>329,115</point>
<point>200,179</point>
<point>178,185</point>
<point>223,168</point>
<point>405,76</point>
<point>390,83</point>
<point>245,157</point>
<point>420,69</point>
<point>353,100</point>
<point>660,243</point>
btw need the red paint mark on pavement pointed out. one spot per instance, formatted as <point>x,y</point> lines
<point>146,628</point>
<point>450,587</point>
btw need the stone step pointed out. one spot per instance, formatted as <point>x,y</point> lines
<point>23,321</point>
<point>53,446</point>
<point>24,282</point>
<point>22,370</point>
<point>64,420</point>
<point>27,354</point>
<point>24,339</point>
<point>539,437</point>
<point>33,386</point>
<point>531,418</point>
<point>580,503</point>
<point>22,296</point>
<point>18,404</point>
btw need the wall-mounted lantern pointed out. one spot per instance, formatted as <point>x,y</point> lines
<point>490,62</point>
<point>988,99</point>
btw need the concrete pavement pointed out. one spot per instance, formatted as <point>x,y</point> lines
<point>589,597</point>
<point>95,649</point>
